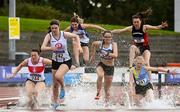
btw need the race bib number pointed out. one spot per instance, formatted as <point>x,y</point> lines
<point>141,82</point>
<point>59,55</point>
<point>35,77</point>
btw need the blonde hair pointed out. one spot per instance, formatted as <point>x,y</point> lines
<point>139,59</point>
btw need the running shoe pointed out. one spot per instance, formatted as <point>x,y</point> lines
<point>62,94</point>
<point>97,96</point>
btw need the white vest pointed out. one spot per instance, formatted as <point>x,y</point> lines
<point>62,53</point>
<point>82,35</point>
<point>109,49</point>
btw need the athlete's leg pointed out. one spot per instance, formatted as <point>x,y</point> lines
<point>100,73</point>
<point>138,99</point>
<point>30,89</point>
<point>55,87</point>
<point>85,54</point>
<point>149,95</point>
<point>76,53</point>
<point>133,51</point>
<point>40,86</point>
<point>147,55</point>
<point>59,75</point>
<point>107,85</point>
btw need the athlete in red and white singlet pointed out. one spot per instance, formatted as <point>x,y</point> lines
<point>35,82</point>
<point>36,71</point>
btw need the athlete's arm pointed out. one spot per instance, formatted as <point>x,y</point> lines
<point>93,50</point>
<point>158,69</point>
<point>161,26</point>
<point>45,43</point>
<point>92,26</point>
<point>126,29</point>
<point>76,38</point>
<point>67,29</point>
<point>115,51</point>
<point>18,68</point>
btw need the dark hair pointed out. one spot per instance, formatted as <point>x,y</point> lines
<point>74,19</point>
<point>53,22</point>
<point>143,16</point>
<point>107,31</point>
<point>103,33</point>
<point>35,50</point>
<point>49,29</point>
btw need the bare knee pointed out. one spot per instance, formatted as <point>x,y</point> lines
<point>100,76</point>
<point>132,47</point>
<point>58,77</point>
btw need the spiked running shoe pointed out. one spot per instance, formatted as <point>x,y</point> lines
<point>62,94</point>
<point>97,96</point>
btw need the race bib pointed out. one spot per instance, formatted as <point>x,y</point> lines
<point>58,57</point>
<point>142,82</point>
<point>35,77</point>
<point>138,40</point>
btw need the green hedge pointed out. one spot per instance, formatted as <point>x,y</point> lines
<point>41,25</point>
<point>27,10</point>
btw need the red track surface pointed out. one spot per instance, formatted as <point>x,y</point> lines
<point>8,92</point>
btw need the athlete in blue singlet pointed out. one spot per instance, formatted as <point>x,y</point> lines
<point>140,85</point>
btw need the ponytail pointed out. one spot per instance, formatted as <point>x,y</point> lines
<point>77,19</point>
<point>49,29</point>
<point>143,16</point>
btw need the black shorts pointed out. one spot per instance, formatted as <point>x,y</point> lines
<point>84,44</point>
<point>56,65</point>
<point>142,89</point>
<point>109,70</point>
<point>35,82</point>
<point>142,47</point>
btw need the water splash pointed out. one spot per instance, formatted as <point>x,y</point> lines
<point>44,97</point>
<point>125,43</point>
<point>23,98</point>
<point>81,96</point>
<point>158,104</point>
